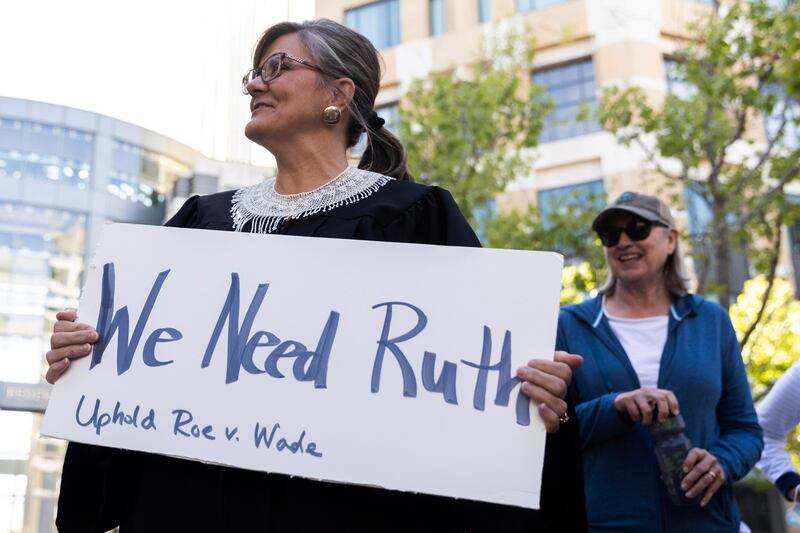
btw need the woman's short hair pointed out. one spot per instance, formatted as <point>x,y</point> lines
<point>344,53</point>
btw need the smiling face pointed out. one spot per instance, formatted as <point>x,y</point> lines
<point>638,262</point>
<point>289,105</point>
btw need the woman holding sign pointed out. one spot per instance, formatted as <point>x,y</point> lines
<point>664,409</point>
<point>312,91</point>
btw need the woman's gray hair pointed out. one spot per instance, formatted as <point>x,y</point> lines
<point>676,278</point>
<point>345,53</point>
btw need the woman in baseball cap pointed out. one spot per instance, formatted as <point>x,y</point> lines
<point>652,352</point>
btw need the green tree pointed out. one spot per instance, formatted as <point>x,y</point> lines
<point>472,132</point>
<point>566,229</point>
<point>740,67</point>
<point>774,344</point>
<point>578,282</point>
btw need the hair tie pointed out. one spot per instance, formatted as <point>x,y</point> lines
<point>375,122</point>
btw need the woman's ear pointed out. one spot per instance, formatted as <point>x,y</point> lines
<point>343,92</point>
<point>672,239</point>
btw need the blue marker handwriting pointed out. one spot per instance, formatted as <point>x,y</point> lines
<point>308,365</point>
<point>98,419</point>
<point>185,426</point>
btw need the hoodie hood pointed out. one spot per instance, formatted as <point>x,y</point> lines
<point>591,311</point>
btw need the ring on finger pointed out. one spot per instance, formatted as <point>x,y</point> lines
<point>564,418</point>
<point>712,474</point>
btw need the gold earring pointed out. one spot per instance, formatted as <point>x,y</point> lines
<point>331,115</point>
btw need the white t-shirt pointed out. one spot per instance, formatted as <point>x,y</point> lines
<point>643,340</point>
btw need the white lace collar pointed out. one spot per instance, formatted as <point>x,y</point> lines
<point>262,205</point>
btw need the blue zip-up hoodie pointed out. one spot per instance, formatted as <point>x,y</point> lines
<point>702,365</point>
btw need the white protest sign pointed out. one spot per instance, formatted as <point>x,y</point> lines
<point>382,364</point>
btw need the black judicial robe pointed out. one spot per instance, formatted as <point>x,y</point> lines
<point>102,488</point>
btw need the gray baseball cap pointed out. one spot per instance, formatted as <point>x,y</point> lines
<point>648,207</point>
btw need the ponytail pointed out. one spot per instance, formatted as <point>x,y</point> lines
<point>385,155</point>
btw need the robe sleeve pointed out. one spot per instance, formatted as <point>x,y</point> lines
<point>187,216</point>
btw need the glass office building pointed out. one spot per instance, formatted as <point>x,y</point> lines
<point>63,173</point>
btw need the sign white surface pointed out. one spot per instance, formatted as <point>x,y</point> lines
<point>338,360</point>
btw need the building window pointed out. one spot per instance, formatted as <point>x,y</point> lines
<point>42,151</point>
<point>379,22</point>
<point>701,238</point>
<point>484,11</point>
<point>437,17</point>
<point>559,200</point>
<point>794,246</point>
<point>572,90</point>
<point>142,176</point>
<point>786,112</point>
<point>482,214</point>
<point>391,114</point>
<point>530,5</point>
<point>12,490</point>
<point>676,81</point>
<point>41,263</point>
<point>568,201</point>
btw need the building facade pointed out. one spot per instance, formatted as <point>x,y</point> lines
<point>64,173</point>
<point>582,46</point>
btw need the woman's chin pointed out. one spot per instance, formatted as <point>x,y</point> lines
<point>631,275</point>
<point>633,279</point>
<point>256,132</point>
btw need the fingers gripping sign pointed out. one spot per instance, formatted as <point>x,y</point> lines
<point>70,340</point>
<point>546,382</point>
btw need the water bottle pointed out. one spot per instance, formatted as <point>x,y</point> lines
<point>672,447</point>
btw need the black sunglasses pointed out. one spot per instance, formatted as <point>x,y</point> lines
<point>637,229</point>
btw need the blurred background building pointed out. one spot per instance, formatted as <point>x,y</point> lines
<point>64,173</point>
<point>582,46</point>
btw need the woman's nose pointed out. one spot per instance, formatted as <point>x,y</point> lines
<point>624,240</point>
<point>256,85</point>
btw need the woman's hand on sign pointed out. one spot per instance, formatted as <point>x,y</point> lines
<point>640,403</point>
<point>546,382</point>
<point>704,475</point>
<point>70,340</point>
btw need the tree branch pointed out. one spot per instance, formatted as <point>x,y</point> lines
<point>767,197</point>
<point>702,278</point>
<point>776,246</point>
<point>760,396</point>
<point>768,151</point>
<point>708,145</point>
<point>767,387</point>
<point>741,121</point>
<point>651,158</point>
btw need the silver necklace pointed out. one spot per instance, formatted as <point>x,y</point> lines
<point>266,208</point>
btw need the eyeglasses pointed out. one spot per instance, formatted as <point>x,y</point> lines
<point>637,230</point>
<point>272,68</point>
